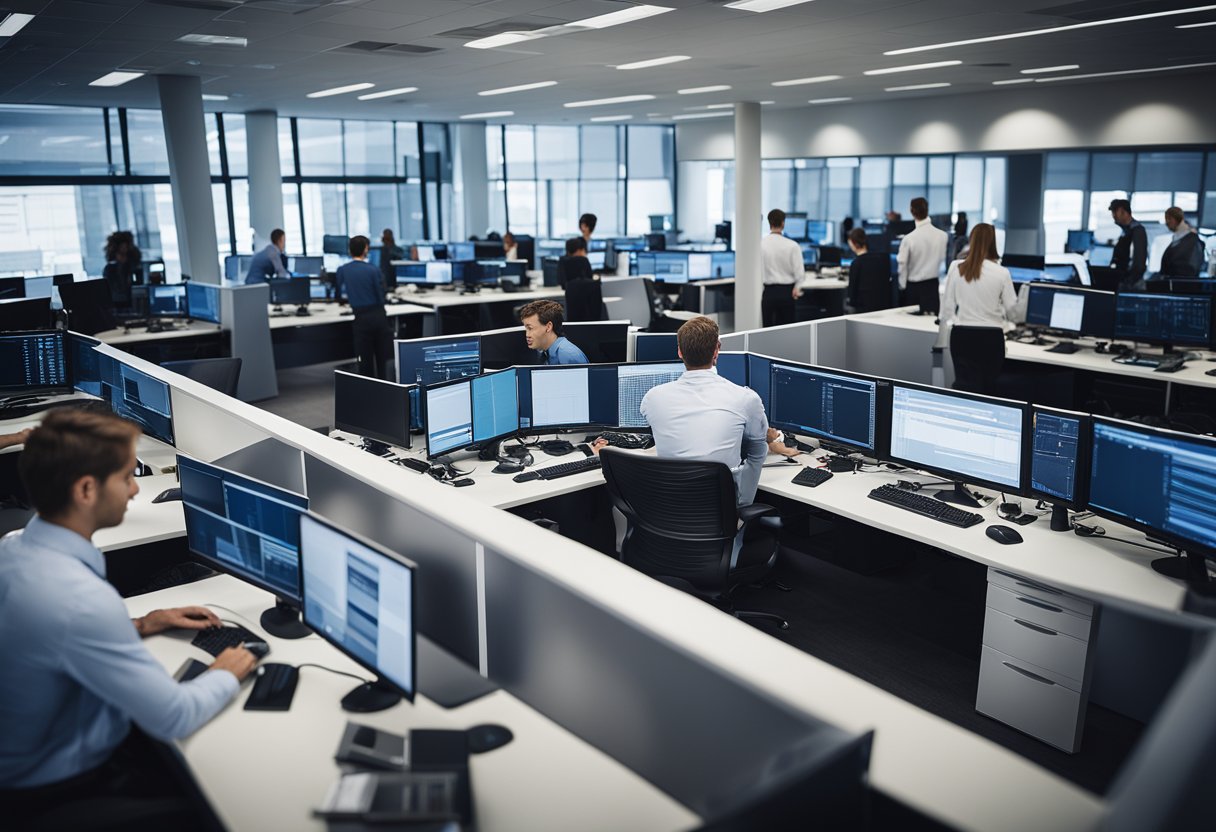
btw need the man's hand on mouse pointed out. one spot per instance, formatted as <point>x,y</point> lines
<point>186,618</point>
<point>777,446</point>
<point>598,445</point>
<point>236,660</point>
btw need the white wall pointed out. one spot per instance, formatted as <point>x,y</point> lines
<point>1162,110</point>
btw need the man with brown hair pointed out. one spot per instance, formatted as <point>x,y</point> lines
<point>922,253</point>
<point>75,675</point>
<point>542,320</point>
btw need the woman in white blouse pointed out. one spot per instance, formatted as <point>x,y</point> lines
<point>979,299</point>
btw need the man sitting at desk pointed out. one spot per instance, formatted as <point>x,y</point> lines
<point>542,320</point>
<point>75,674</point>
<point>358,283</point>
<point>268,263</point>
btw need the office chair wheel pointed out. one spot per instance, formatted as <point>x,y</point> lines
<point>756,615</point>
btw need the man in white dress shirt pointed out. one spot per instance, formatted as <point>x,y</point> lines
<point>922,253</point>
<point>782,261</point>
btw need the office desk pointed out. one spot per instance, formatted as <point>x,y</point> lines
<point>327,333</point>
<point>123,337</point>
<point>196,339</point>
<point>486,309</point>
<point>268,770</point>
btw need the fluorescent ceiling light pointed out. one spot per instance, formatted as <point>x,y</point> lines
<point>503,39</point>
<point>340,90</point>
<point>1050,30</point>
<point>372,96</point>
<point>891,70</point>
<point>699,90</point>
<point>818,79</point>
<point>719,106</point>
<point>208,96</point>
<point>611,118</point>
<point>1042,69</point>
<point>628,15</point>
<point>829,100</point>
<point>916,87</point>
<point>763,103</point>
<point>620,99</point>
<point>220,40</point>
<point>1123,72</point>
<point>647,64</point>
<point>764,5</point>
<point>115,79</point>
<point>686,116</point>
<point>1013,81</point>
<point>519,88</point>
<point>14,23</point>
<point>495,114</point>
<point>1183,26</point>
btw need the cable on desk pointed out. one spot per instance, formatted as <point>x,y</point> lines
<point>1098,531</point>
<point>339,672</point>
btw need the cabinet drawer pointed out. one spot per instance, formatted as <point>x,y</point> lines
<point>1060,654</point>
<point>1033,589</point>
<point>1037,611</point>
<point>1015,694</point>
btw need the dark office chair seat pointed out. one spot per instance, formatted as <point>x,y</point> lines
<point>221,374</point>
<point>584,301</point>
<point>681,526</point>
<point>978,353</point>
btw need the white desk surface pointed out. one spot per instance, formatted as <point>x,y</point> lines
<point>118,337</point>
<point>439,299</point>
<point>268,770</point>
<point>328,313</point>
<point>816,283</point>
<point>1194,373</point>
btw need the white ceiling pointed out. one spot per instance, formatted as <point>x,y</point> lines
<point>297,46</point>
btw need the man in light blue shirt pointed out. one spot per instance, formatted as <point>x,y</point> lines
<point>542,320</point>
<point>75,674</point>
<point>268,263</point>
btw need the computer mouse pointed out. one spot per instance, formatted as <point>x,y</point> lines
<point>507,467</point>
<point>463,481</point>
<point>1210,373</point>
<point>168,495</point>
<point>487,737</point>
<point>258,648</point>
<point>526,476</point>
<point>1003,534</point>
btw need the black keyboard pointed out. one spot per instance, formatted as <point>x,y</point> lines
<point>221,638</point>
<point>22,409</point>
<point>811,476</point>
<point>413,464</point>
<point>567,469</point>
<point>928,506</point>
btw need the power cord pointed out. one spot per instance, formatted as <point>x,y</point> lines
<point>1098,531</point>
<point>339,672</point>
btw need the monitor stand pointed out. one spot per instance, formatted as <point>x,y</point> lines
<point>1060,521</point>
<point>370,697</point>
<point>958,495</point>
<point>1186,566</point>
<point>1064,347</point>
<point>302,310</point>
<point>283,621</point>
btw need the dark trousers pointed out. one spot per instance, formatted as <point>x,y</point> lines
<point>373,341</point>
<point>978,353</point>
<point>777,304</point>
<point>924,294</point>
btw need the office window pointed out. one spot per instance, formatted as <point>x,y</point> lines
<point>320,146</point>
<point>842,174</point>
<point>146,139</point>
<point>941,184</point>
<point>1100,221</point>
<point>219,199</point>
<point>969,187</point>
<point>995,168</point>
<point>235,144</point>
<point>437,181</point>
<point>370,209</point>
<point>809,188</point>
<point>599,152</point>
<point>240,216</point>
<point>324,212</point>
<point>291,223</point>
<point>521,206</point>
<point>213,143</point>
<point>368,147</point>
<point>645,198</point>
<point>498,205</point>
<point>408,163</point>
<point>1168,171</point>
<point>777,184</point>
<point>521,153</point>
<point>703,197</point>
<point>1112,171</point>
<point>909,181</point>
<point>1062,210</point>
<point>494,160</point>
<point>40,231</point>
<point>559,159</point>
<point>409,201</point>
<point>147,210</point>
<point>874,188</point>
<point>55,141</point>
<point>565,207</point>
<point>603,198</point>
<point>1207,216</point>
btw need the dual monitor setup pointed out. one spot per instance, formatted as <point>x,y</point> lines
<point>356,595</point>
<point>683,266</point>
<point>461,272</point>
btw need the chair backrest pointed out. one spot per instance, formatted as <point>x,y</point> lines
<point>221,374</point>
<point>681,515</point>
<point>584,301</point>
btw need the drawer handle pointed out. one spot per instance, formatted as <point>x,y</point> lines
<point>1039,588</point>
<point>1028,674</point>
<point>1040,604</point>
<point>1035,627</point>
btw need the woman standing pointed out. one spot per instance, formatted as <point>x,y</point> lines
<point>979,299</point>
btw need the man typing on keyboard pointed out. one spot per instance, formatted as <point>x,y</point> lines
<point>75,675</point>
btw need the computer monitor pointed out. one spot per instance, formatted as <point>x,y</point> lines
<point>495,406</point>
<point>758,377</point>
<point>167,300</point>
<point>249,529</point>
<point>448,413</point>
<point>436,360</point>
<point>831,406</point>
<point>294,291</point>
<point>1079,241</point>
<point>601,341</point>
<point>84,363</point>
<point>722,264</point>
<point>33,362</point>
<point>25,313</point>
<point>597,259</point>
<point>642,263</point>
<point>301,266</point>
<point>135,395</point>
<point>12,288</point>
<point>556,397</point>
<point>820,231</point>
<point>438,273</point>
<point>656,241</point>
<point>810,255</point>
<point>1160,482</point>
<point>335,244</point>
<point>1059,441</point>
<point>700,265</point>
<point>1071,311</point>
<point>462,251</point>
<point>732,366</point>
<point>424,253</point>
<point>960,436</point>
<point>1058,273</point>
<point>1101,255</point>
<point>203,302</point>
<point>373,255</point>
<point>830,256</point>
<point>656,346</point>
<point>90,308</point>
<point>795,227</point>
<point>1171,320</point>
<point>633,382</point>
<point>722,231</point>
<point>361,598</point>
<point>153,272</point>
<point>41,287</point>
<point>372,408</point>
<point>503,348</point>
<point>1034,262</point>
<point>669,266</point>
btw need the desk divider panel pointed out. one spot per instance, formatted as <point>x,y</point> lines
<point>695,732</point>
<point>271,461</point>
<point>205,431</point>
<point>734,342</point>
<point>894,352</point>
<point>829,344</point>
<point>792,341</point>
<point>244,310</point>
<point>634,304</point>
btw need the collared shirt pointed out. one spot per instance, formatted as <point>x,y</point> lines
<point>75,672</point>
<point>921,253</point>
<point>360,283</point>
<point>702,415</point>
<point>989,300</point>
<point>781,258</point>
<point>562,351</point>
<point>266,264</point>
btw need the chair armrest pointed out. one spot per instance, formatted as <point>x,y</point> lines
<point>754,511</point>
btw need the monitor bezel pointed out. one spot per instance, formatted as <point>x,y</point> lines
<point>467,336</point>
<point>425,392</point>
<point>69,373</point>
<point>1165,342</point>
<point>1063,287</point>
<point>473,406</point>
<point>359,431</point>
<point>639,337</point>
<point>533,429</point>
<point>207,287</point>
<point>1019,489</point>
<point>874,452</point>
<point>389,554</point>
<point>1081,488</point>
<point>156,288</point>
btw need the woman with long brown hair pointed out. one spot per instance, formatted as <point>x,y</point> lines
<point>979,299</point>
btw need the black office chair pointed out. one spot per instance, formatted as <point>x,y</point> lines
<point>584,301</point>
<point>978,353</point>
<point>221,374</point>
<point>682,522</point>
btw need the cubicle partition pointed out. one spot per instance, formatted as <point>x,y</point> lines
<point>792,341</point>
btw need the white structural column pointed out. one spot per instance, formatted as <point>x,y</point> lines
<point>472,176</point>
<point>749,282</point>
<point>265,178</point>
<point>181,107</point>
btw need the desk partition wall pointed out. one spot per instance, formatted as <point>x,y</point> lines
<point>898,354</point>
<point>631,304</point>
<point>792,341</point>
<point>734,342</point>
<point>829,343</point>
<point>271,461</point>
